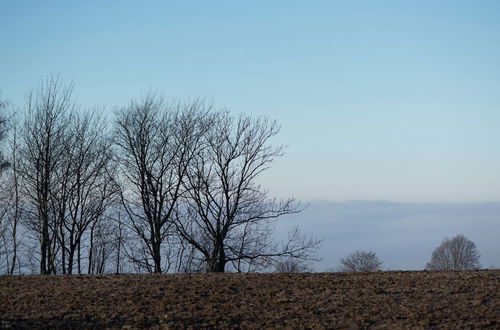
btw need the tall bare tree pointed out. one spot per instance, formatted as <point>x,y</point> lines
<point>12,202</point>
<point>455,253</point>
<point>156,143</point>
<point>42,150</point>
<point>64,168</point>
<point>86,185</point>
<point>5,200</point>
<point>227,216</point>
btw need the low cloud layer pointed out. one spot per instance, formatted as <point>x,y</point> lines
<point>403,235</point>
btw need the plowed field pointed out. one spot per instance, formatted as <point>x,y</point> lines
<point>441,299</point>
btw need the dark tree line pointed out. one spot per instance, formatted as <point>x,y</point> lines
<point>163,187</point>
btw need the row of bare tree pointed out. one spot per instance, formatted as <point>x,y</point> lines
<point>168,187</point>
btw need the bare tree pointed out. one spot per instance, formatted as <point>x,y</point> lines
<point>5,251</point>
<point>119,239</point>
<point>455,253</point>
<point>42,149</point>
<point>101,246</point>
<point>86,184</point>
<point>292,265</point>
<point>360,261</point>
<point>4,196</point>
<point>11,202</point>
<point>64,169</point>
<point>227,217</point>
<point>189,259</point>
<point>156,143</point>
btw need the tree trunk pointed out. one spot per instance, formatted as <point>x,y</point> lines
<point>63,250</point>
<point>14,245</point>
<point>157,257</point>
<point>44,248</point>
<point>79,257</point>
<point>91,249</point>
<point>218,262</point>
<point>119,246</point>
<point>71,259</point>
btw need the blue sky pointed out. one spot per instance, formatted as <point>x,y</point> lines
<point>378,100</point>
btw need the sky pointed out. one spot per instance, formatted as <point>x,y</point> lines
<point>377,100</point>
<point>385,100</point>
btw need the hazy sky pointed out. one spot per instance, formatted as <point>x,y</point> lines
<point>403,235</point>
<point>393,100</point>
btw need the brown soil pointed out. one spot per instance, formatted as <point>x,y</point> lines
<point>443,299</point>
